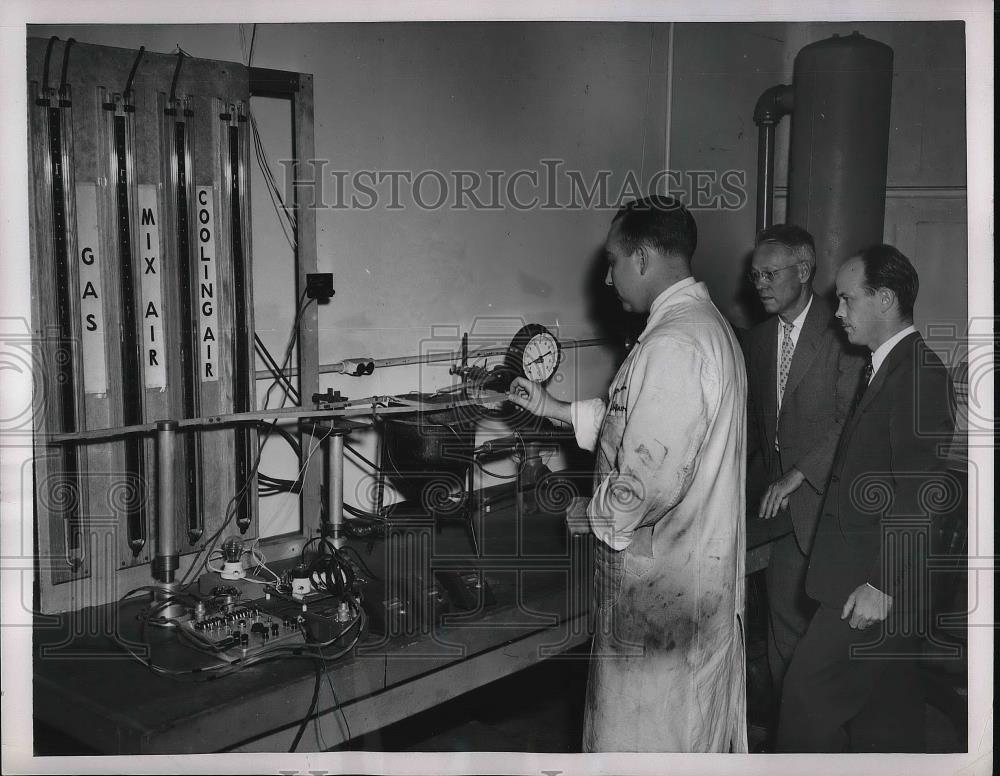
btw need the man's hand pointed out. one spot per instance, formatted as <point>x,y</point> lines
<point>866,605</point>
<point>576,516</point>
<point>535,399</point>
<point>778,492</point>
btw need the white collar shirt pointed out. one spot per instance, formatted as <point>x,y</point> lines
<point>883,350</point>
<point>797,324</point>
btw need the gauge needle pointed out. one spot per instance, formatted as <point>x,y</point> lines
<point>535,361</point>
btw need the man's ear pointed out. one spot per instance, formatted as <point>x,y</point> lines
<point>642,259</point>
<point>886,298</point>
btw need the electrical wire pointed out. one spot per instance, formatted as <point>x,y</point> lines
<point>188,579</point>
<point>131,75</point>
<point>65,66</point>
<point>310,650</point>
<point>362,515</point>
<point>300,308</point>
<point>177,73</point>
<point>312,706</point>
<point>286,219</point>
<point>484,470</point>
<point>336,700</point>
<point>45,66</point>
<point>272,367</point>
<point>353,451</point>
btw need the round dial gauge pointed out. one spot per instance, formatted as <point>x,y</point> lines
<point>534,353</point>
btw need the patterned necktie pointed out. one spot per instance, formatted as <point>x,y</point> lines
<point>866,378</point>
<point>787,348</point>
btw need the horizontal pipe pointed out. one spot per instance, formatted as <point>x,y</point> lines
<point>357,409</point>
<point>906,192</point>
<point>337,367</point>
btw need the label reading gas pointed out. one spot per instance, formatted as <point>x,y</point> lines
<point>92,331</point>
<point>207,302</point>
<point>154,352</point>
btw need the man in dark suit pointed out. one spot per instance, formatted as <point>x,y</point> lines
<point>851,684</point>
<point>801,382</point>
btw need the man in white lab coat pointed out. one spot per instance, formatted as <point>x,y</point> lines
<point>667,665</point>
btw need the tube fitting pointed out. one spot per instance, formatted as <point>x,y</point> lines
<point>774,103</point>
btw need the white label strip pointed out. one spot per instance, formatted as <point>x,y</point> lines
<point>92,330</point>
<point>207,286</point>
<point>154,351</point>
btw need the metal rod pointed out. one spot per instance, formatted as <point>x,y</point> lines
<point>338,367</point>
<point>166,559</point>
<point>336,495</point>
<point>357,408</point>
<point>765,176</point>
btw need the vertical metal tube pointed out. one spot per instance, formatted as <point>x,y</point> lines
<point>771,106</point>
<point>336,501</point>
<point>765,176</point>
<point>166,559</point>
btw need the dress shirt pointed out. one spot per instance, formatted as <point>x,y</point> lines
<point>796,330</point>
<point>879,354</point>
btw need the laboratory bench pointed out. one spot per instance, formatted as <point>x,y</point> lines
<point>87,686</point>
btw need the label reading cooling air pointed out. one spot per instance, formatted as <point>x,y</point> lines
<point>154,352</point>
<point>207,302</point>
<point>92,331</point>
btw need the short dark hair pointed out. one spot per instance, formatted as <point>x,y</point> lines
<point>658,222</point>
<point>886,267</point>
<point>793,237</point>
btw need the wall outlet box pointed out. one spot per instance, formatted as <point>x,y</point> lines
<point>319,285</point>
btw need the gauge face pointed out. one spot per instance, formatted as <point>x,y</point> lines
<point>533,353</point>
<point>540,357</point>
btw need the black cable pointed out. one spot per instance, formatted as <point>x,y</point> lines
<point>65,65</point>
<point>45,66</point>
<point>360,561</point>
<point>288,437</point>
<point>336,700</point>
<point>210,543</point>
<point>300,308</point>
<point>272,367</point>
<point>353,451</point>
<point>494,474</point>
<point>312,707</point>
<point>362,515</point>
<point>131,75</point>
<point>177,72</point>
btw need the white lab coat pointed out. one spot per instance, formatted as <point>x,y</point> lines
<point>667,669</point>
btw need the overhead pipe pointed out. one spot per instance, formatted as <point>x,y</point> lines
<point>775,103</point>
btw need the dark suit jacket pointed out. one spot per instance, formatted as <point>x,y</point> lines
<point>888,479</point>
<point>822,383</point>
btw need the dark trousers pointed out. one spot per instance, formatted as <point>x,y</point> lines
<point>789,609</point>
<point>833,702</point>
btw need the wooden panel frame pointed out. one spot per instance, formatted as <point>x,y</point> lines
<point>298,89</point>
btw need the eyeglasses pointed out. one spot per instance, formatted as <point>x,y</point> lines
<point>767,275</point>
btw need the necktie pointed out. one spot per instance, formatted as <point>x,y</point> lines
<point>866,378</point>
<point>787,348</point>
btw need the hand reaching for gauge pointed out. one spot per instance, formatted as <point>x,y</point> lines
<point>535,399</point>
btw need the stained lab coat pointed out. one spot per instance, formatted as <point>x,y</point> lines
<point>667,670</point>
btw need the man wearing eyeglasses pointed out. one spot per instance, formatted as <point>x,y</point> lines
<point>802,378</point>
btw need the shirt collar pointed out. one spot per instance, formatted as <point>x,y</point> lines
<point>883,350</point>
<point>662,301</point>
<point>801,317</point>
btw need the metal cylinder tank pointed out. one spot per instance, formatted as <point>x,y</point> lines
<point>840,147</point>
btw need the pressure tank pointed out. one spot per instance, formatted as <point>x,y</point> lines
<point>840,147</point>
